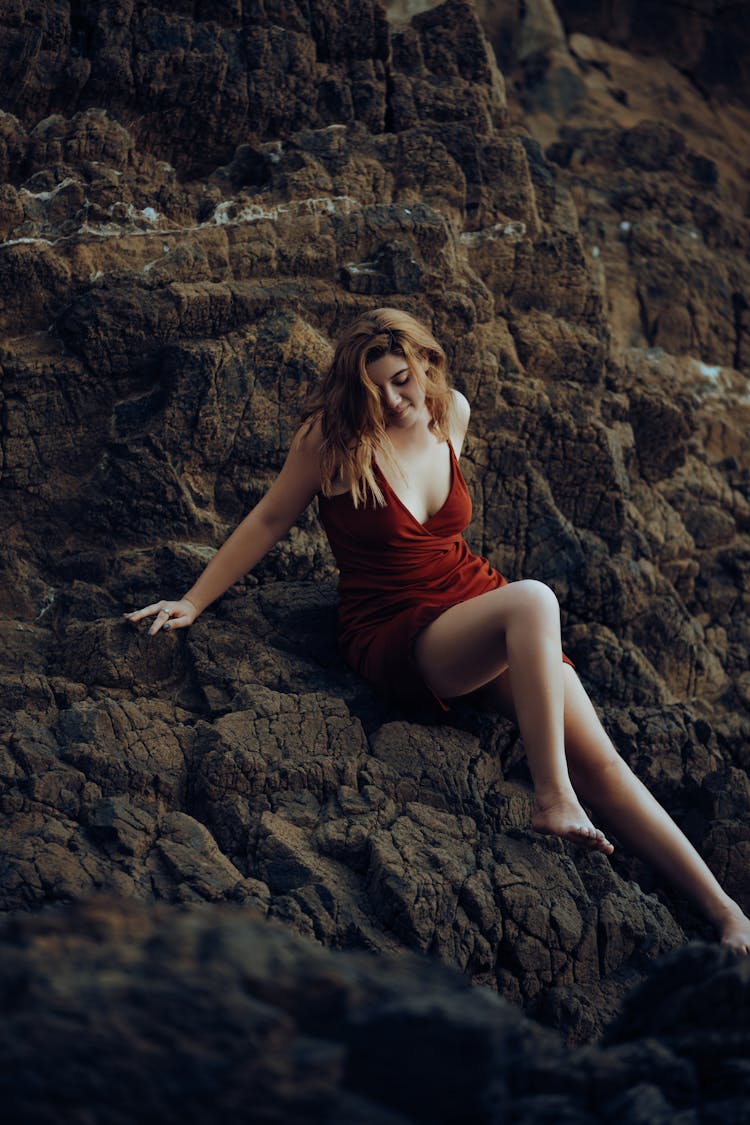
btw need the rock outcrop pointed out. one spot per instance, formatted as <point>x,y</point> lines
<point>197,1013</point>
<point>194,204</point>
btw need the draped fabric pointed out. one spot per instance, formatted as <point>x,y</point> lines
<point>397,575</point>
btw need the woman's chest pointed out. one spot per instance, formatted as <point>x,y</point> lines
<point>421,481</point>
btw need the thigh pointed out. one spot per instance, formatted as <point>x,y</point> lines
<point>465,647</point>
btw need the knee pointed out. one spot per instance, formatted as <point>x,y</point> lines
<point>538,599</point>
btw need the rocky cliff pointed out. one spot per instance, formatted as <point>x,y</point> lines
<point>195,199</point>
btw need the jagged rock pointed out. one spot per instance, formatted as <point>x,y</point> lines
<point>174,272</point>
<point>193,1014</point>
<point>709,42</point>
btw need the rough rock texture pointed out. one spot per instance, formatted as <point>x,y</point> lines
<point>709,41</point>
<point>195,200</point>
<point>200,1013</point>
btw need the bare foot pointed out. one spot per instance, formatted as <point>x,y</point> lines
<point>734,930</point>
<point>565,817</point>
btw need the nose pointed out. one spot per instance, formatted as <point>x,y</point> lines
<point>391,397</point>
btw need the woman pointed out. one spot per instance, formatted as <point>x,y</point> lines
<point>420,615</point>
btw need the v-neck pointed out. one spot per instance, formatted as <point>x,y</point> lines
<point>408,511</point>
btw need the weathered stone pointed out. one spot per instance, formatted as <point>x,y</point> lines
<point>175,268</point>
<point>192,1013</point>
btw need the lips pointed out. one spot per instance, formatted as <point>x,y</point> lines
<point>398,413</point>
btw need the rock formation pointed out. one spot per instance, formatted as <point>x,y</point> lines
<point>195,200</point>
<point>202,1013</point>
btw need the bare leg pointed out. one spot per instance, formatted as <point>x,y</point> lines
<point>608,785</point>
<point>517,626</point>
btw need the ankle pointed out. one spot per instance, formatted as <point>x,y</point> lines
<point>546,796</point>
<point>723,911</point>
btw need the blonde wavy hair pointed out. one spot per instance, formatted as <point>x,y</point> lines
<point>349,405</point>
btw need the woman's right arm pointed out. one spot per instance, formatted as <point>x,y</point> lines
<point>261,529</point>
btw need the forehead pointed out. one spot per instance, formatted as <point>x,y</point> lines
<point>383,369</point>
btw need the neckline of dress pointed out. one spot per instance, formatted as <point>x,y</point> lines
<point>397,498</point>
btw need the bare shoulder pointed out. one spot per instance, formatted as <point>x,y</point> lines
<point>305,451</point>
<point>459,418</point>
<point>309,437</point>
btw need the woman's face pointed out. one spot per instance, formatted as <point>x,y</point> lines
<point>401,392</point>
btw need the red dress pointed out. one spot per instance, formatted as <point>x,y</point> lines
<point>397,575</point>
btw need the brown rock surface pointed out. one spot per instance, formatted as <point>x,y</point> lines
<point>709,41</point>
<point>196,1013</point>
<point>174,269</point>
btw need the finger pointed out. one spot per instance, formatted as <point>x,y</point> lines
<point>162,618</point>
<point>148,611</point>
<point>177,623</point>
